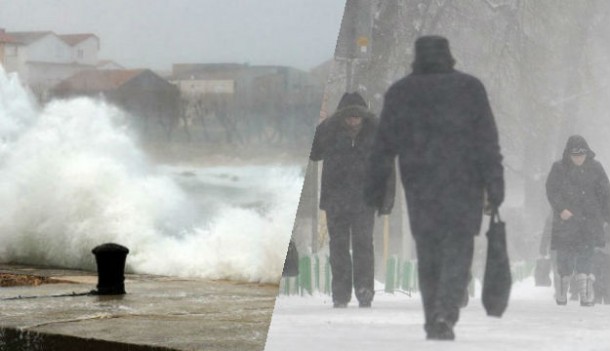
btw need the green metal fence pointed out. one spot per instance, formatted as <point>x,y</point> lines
<point>315,276</point>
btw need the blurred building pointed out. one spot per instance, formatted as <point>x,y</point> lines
<point>9,48</point>
<point>251,85</point>
<point>274,103</point>
<point>42,59</point>
<point>152,100</point>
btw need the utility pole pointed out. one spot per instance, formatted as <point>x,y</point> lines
<point>354,42</point>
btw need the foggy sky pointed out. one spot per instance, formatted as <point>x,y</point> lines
<point>157,33</point>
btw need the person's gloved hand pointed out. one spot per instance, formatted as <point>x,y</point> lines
<point>495,194</point>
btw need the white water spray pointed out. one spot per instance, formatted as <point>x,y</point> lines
<point>71,178</point>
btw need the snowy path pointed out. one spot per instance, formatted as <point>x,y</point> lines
<point>532,322</point>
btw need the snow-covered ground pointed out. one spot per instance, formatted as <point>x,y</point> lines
<point>532,322</point>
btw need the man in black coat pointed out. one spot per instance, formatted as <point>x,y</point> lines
<point>579,193</point>
<point>343,141</point>
<point>439,122</point>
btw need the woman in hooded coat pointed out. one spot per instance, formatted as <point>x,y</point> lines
<point>579,193</point>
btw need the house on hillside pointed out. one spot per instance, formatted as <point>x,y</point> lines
<point>43,59</point>
<point>152,100</point>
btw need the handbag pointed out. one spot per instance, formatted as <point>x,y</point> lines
<point>497,280</point>
<point>542,272</point>
<point>291,264</point>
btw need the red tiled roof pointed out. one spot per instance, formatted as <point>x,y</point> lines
<point>73,39</point>
<point>28,37</point>
<point>97,81</point>
<point>5,38</point>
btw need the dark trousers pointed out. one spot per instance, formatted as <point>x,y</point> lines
<point>444,260</point>
<point>357,226</point>
<point>574,258</point>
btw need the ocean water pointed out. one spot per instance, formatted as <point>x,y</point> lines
<point>72,177</point>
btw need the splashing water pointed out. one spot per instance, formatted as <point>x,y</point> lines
<point>71,178</point>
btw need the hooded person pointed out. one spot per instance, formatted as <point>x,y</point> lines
<point>343,142</point>
<point>439,123</point>
<point>578,190</point>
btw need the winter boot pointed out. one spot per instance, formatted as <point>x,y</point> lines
<point>441,329</point>
<point>365,297</point>
<point>585,289</point>
<point>561,289</point>
<point>590,301</point>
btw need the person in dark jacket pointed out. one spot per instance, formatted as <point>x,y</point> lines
<point>343,141</point>
<point>439,122</point>
<point>578,190</point>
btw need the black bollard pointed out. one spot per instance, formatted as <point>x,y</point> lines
<point>110,259</point>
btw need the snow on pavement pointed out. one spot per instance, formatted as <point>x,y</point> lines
<point>532,322</point>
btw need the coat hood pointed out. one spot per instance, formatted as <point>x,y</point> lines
<point>576,142</point>
<point>351,99</point>
<point>353,104</point>
<point>432,55</point>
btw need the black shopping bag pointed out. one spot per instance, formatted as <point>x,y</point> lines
<point>497,280</point>
<point>542,273</point>
<point>291,264</point>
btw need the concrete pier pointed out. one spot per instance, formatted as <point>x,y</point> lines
<point>157,313</point>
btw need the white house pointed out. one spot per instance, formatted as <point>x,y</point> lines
<point>45,58</point>
<point>85,47</point>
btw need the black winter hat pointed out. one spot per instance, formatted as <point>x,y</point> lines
<point>432,46</point>
<point>351,99</point>
<point>432,53</point>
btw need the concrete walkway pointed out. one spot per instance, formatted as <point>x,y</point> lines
<point>157,313</point>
